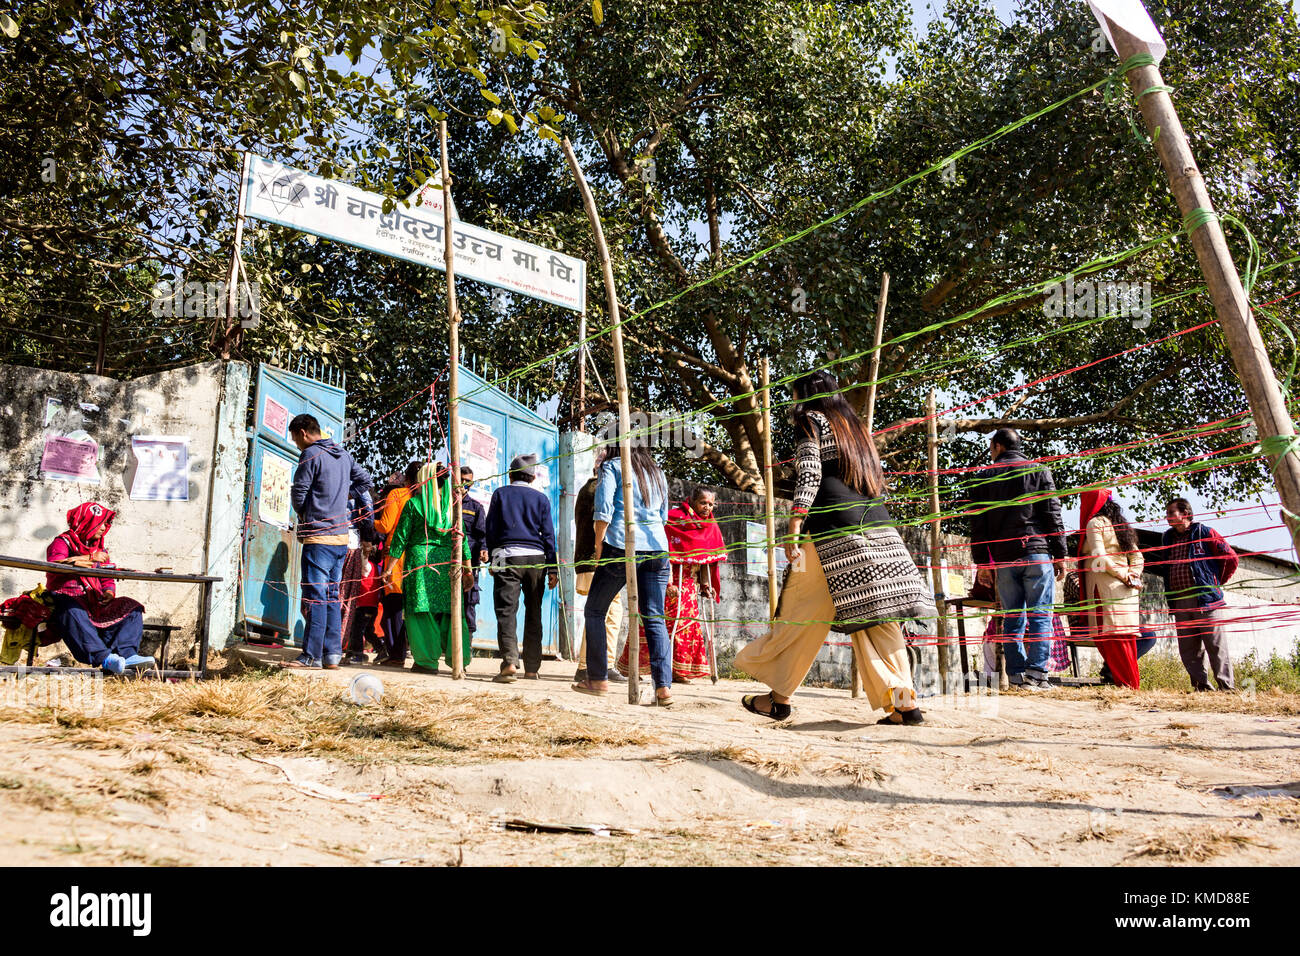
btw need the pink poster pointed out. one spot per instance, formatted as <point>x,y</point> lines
<point>70,460</point>
<point>275,416</point>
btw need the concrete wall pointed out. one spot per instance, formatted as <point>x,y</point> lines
<point>204,402</point>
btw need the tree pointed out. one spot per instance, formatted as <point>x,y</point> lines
<point>121,152</point>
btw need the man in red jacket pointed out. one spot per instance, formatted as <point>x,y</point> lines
<point>1195,562</point>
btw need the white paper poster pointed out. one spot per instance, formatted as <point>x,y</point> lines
<point>336,210</point>
<point>478,453</point>
<point>162,470</point>
<point>756,551</point>
<point>273,504</point>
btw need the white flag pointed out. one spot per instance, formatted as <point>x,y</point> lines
<point>1132,17</point>
<point>429,197</point>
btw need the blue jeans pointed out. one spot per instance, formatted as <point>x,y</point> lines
<point>322,611</point>
<point>651,586</point>
<point>1025,591</point>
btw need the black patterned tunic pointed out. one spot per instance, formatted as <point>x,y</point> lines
<point>869,571</point>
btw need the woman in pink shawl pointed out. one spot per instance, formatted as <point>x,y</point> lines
<point>99,628</point>
<point>696,553</point>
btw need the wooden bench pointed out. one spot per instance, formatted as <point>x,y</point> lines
<point>204,622</point>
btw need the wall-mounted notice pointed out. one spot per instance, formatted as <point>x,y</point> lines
<point>275,417</point>
<point>756,551</point>
<point>273,505</point>
<point>478,453</point>
<point>66,459</point>
<point>161,469</point>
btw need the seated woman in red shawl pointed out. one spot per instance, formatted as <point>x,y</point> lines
<point>100,628</point>
<point>696,552</point>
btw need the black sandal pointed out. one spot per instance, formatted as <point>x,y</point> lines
<point>778,711</point>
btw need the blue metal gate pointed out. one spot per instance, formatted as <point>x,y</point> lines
<point>271,586</point>
<point>494,428</point>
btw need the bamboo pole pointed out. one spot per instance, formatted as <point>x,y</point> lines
<point>229,336</point>
<point>936,542</point>
<point>624,427</point>
<point>769,494</point>
<point>871,422</point>
<point>1249,354</point>
<point>582,371</point>
<point>453,419</point>
<point>875,354</point>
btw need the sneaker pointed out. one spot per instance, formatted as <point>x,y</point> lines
<point>616,678</point>
<point>113,664</point>
<point>139,660</point>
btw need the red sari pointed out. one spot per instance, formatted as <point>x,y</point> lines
<point>695,547</point>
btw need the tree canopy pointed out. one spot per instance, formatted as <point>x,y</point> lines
<point>710,132</point>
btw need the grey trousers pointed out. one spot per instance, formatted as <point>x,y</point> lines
<point>1200,633</point>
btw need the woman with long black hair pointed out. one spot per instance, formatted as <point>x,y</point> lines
<point>649,504</point>
<point>849,570</point>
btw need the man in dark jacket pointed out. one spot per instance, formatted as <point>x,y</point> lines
<point>474,523</point>
<point>521,539</point>
<point>1195,562</point>
<point>1017,532</point>
<point>324,481</point>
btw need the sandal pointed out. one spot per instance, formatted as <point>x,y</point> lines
<point>586,688</point>
<point>778,711</point>
<point>908,718</point>
<point>663,701</point>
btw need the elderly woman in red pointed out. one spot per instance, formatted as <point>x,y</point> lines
<point>696,552</point>
<point>100,628</point>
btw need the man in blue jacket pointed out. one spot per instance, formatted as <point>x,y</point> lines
<point>325,479</point>
<point>521,539</point>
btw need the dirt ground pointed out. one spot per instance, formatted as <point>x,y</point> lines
<point>222,775</point>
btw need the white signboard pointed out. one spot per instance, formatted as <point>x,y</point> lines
<point>336,210</point>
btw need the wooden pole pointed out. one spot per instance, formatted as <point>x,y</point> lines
<point>1249,355</point>
<point>582,371</point>
<point>453,419</point>
<point>871,423</point>
<point>233,329</point>
<point>875,355</point>
<point>769,493</point>
<point>624,427</point>
<point>936,542</point>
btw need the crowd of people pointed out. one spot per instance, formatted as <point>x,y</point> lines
<point>375,570</point>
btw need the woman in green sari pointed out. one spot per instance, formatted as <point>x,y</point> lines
<point>423,536</point>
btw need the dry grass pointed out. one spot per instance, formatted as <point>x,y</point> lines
<point>1195,846</point>
<point>776,766</point>
<point>280,714</point>
<point>859,772</point>
<point>1269,702</point>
